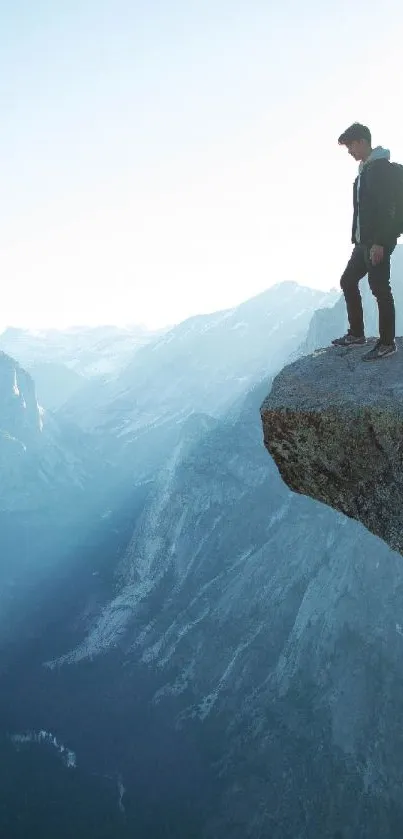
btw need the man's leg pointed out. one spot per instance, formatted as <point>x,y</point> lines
<point>379,283</point>
<point>356,269</point>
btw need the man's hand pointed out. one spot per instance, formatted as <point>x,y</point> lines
<point>376,254</point>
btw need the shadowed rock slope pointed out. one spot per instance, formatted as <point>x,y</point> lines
<point>334,426</point>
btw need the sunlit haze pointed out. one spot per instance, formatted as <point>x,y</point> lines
<point>161,159</point>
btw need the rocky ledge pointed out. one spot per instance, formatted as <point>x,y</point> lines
<point>334,426</point>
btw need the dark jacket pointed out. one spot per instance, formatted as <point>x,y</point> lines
<point>376,205</point>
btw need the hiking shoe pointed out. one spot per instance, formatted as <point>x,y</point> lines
<point>380,351</point>
<point>349,340</point>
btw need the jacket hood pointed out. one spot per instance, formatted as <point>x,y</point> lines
<point>378,153</point>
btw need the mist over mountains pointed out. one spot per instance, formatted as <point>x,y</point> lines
<point>220,656</point>
<point>61,362</point>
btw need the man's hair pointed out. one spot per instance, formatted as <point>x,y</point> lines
<point>356,131</point>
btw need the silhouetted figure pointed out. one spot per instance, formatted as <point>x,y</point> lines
<point>374,236</point>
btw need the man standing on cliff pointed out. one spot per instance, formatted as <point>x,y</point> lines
<point>374,240</point>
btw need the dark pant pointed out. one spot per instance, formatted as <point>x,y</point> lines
<point>379,282</point>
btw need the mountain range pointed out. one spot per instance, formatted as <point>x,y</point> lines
<point>220,655</point>
<point>61,362</point>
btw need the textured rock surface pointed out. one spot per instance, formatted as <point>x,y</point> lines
<point>271,629</point>
<point>252,666</point>
<point>52,501</point>
<point>334,426</point>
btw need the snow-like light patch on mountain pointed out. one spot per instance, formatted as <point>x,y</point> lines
<point>41,414</point>
<point>5,435</point>
<point>181,683</point>
<point>121,791</point>
<point>153,652</point>
<point>108,628</point>
<point>208,701</point>
<point>281,512</point>
<point>162,651</point>
<point>45,737</point>
<point>15,385</point>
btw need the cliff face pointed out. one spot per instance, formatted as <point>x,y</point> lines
<point>252,644</point>
<point>21,423</point>
<point>270,629</point>
<point>19,411</point>
<point>36,456</point>
<point>51,501</point>
<point>334,426</point>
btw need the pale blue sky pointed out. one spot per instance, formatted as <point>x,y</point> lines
<point>160,159</point>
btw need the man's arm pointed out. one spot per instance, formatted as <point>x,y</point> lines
<point>380,186</point>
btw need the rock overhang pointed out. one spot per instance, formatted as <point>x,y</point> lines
<point>334,426</point>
